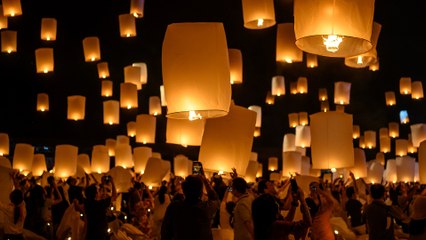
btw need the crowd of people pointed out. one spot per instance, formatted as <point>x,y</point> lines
<point>220,207</point>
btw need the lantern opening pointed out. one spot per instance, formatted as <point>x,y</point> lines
<point>332,42</point>
<point>194,116</point>
<point>359,60</point>
<point>260,22</point>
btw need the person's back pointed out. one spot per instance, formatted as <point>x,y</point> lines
<point>14,215</point>
<point>243,222</point>
<point>353,208</point>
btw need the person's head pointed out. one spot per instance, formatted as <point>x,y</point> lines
<point>313,187</point>
<point>162,194</point>
<point>16,197</point>
<point>32,181</point>
<point>239,186</point>
<point>137,186</point>
<point>71,181</point>
<point>350,192</point>
<point>264,212</point>
<point>91,192</point>
<point>51,180</point>
<point>192,187</point>
<point>377,191</point>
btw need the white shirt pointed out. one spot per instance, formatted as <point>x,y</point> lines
<point>9,226</point>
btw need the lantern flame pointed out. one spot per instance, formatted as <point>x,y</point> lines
<point>260,22</point>
<point>332,42</point>
<point>194,116</point>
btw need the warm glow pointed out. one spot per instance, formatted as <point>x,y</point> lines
<point>333,170</point>
<point>278,94</point>
<point>259,22</point>
<point>359,60</point>
<point>110,122</point>
<point>9,50</point>
<point>129,106</point>
<point>150,187</point>
<point>92,59</point>
<point>46,70</point>
<point>288,60</point>
<point>220,172</point>
<point>332,42</point>
<point>135,15</point>
<point>194,116</point>
<point>128,35</point>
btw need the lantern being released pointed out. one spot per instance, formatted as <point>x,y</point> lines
<point>137,8</point>
<point>65,160</point>
<point>127,25</point>
<point>342,93</point>
<point>287,51</point>
<point>103,70</point>
<point>23,157</point>
<point>100,159</point>
<point>278,86</point>
<point>44,60</point>
<point>76,107</point>
<point>111,112</point>
<point>184,132</point>
<point>9,41</point>
<point>272,164</point>
<point>42,102</point>
<point>4,144</point>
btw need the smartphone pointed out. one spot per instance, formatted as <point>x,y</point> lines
<point>197,167</point>
<point>294,187</point>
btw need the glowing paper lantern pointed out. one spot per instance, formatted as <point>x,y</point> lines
<point>182,166</point>
<point>410,148</point>
<point>42,102</point>
<point>286,50</point>
<point>328,130</point>
<point>145,128</point>
<point>390,172</point>
<point>270,99</point>
<point>154,105</point>
<point>416,90</point>
<point>374,172</point>
<point>110,143</point>
<point>155,171</point>
<point>111,112</point>
<point>122,178</point>
<point>303,136</point>
<point>259,172</point>
<point>401,147</point>
<point>128,95</point>
<point>196,70</point>
<point>184,132</point>
<point>360,164</point>
<point>311,60</point>
<point>325,107</point>
<point>405,167</point>
<point>143,73</point>
<point>5,163</point>
<point>23,156</point>
<point>103,69</point>
<point>137,7</point>
<point>83,160</point>
<point>39,165</point>
<point>278,86</point>
<point>106,88</point>
<point>393,129</point>
<point>383,132</point>
<point>131,129</point>
<point>418,134</point>
<point>100,158</point>
<point>3,19</point>
<point>342,93</point>
<point>227,141</point>
<point>163,96</point>
<point>306,165</point>
<point>76,107</point>
<point>293,87</point>
<point>127,25</point>
<point>385,144</point>
<point>44,60</point>
<point>250,173</point>
<point>405,85</point>
<point>65,160</point>
<point>422,162</point>
<point>48,29</point>
<point>403,117</point>
<point>370,139</point>
<point>122,139</point>
<point>289,142</point>
<point>92,49</point>
<point>140,158</point>
<point>301,150</point>
<point>322,94</point>
<point>123,155</point>
<point>374,66</point>
<point>258,14</point>
<point>132,74</point>
<point>258,111</point>
<point>390,98</point>
<point>11,8</point>
<point>272,164</point>
<point>303,118</point>
<point>4,144</point>
<point>356,131</point>
<point>302,85</point>
<point>292,163</point>
<point>235,65</point>
<point>335,28</point>
<point>361,142</point>
<point>8,41</point>
<point>293,119</point>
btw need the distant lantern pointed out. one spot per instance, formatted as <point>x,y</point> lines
<point>103,69</point>
<point>356,131</point>
<point>12,8</point>
<point>306,165</point>
<point>322,94</point>
<point>156,155</point>
<point>154,105</point>
<point>137,8</point>
<point>122,139</point>
<point>311,60</point>
<point>140,157</point>
<point>123,155</point>
<point>184,132</point>
<point>365,59</point>
<point>182,166</point>
<point>322,27</point>
<point>292,164</point>
<point>48,29</point>
<point>303,136</point>
<point>132,74</point>
<point>163,96</point>
<point>410,148</point>
<point>278,86</point>
<point>131,129</point>
<point>39,165</point>
<point>370,139</point>
<point>383,132</point>
<point>76,107</point>
<point>270,99</point>
<point>385,144</point>
<point>361,142</point>
<point>405,85</point>
<point>4,144</point>
<point>42,102</point>
<point>92,49</point>
<point>374,172</point>
<point>401,147</point>
<point>374,66</point>
<point>328,130</point>
<point>360,164</point>
<point>342,93</point>
<point>340,108</point>
<point>256,132</point>
<point>128,95</point>
<point>289,142</point>
<point>405,167</point>
<point>44,60</point>
<point>403,117</point>
<point>65,160</point>
<point>389,174</point>
<point>100,159</point>
<point>145,128</point>
<point>293,119</point>
<point>110,143</point>
<point>286,50</point>
<point>251,171</point>
<point>416,90</point>
<point>418,134</point>
<point>196,70</point>
<point>302,85</point>
<point>111,112</point>
<point>380,157</point>
<point>272,164</point>
<point>143,71</point>
<point>422,162</point>
<point>127,25</point>
<point>303,118</point>
<point>325,107</point>
<point>259,172</point>
<point>235,65</point>
<point>293,88</point>
<point>83,160</point>
<point>3,19</point>
<point>258,14</point>
<point>227,141</point>
<point>8,41</point>
<point>258,111</point>
<point>106,88</point>
<point>23,156</point>
<point>393,129</point>
<point>390,98</point>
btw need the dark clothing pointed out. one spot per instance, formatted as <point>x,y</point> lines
<point>378,225</point>
<point>313,207</point>
<point>13,237</point>
<point>34,202</point>
<point>59,209</point>
<point>97,223</point>
<point>75,192</point>
<point>354,210</point>
<point>220,188</point>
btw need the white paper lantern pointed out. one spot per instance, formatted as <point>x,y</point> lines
<point>272,163</point>
<point>42,102</point>
<point>4,144</point>
<point>145,128</point>
<point>405,85</point>
<point>374,172</point>
<point>401,147</point>
<point>311,60</point>
<point>5,162</point>
<point>385,144</point>
<point>342,93</point>
<point>83,160</point>
<point>23,156</point>
<point>360,164</point>
<point>258,14</point>
<point>140,157</point>
<point>128,95</point>
<point>110,143</point>
<point>258,111</point>
<point>100,159</point>
<point>302,85</point>
<point>44,60</point>
<point>103,70</point>
<point>127,25</point>
<point>293,119</point>
<point>111,112</point>
<point>278,86</point>
<point>235,65</point>
<point>122,178</point>
<point>163,96</point>
<point>155,171</point>
<point>303,136</point>
<point>389,174</point>
<point>422,162</point>
<point>182,166</point>
<point>39,165</point>
<point>65,160</point>
<point>405,167</point>
<point>123,156</point>
<point>48,29</point>
<point>250,173</point>
<point>292,163</point>
<point>76,107</point>
<point>154,105</point>
<point>286,50</point>
<point>370,139</point>
<point>289,142</point>
<point>184,132</point>
<point>92,49</point>
<point>390,98</point>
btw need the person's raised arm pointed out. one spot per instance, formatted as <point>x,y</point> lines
<point>354,181</point>
<point>94,179</point>
<point>59,199</point>
<point>307,218</point>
